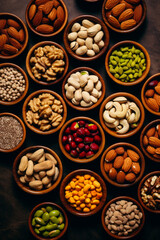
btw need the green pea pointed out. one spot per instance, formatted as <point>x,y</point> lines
<point>114,62</point>
<point>136,75</point>
<point>37,231</point>
<point>40,221</point>
<point>45,216</point>
<point>130,76</point>
<point>33,222</point>
<point>144,68</point>
<point>137,66</point>
<point>133,71</point>
<point>116,59</point>
<point>51,227</point>
<point>141,65</point>
<point>143,60</point>
<point>125,68</point>
<point>54,213</point>
<point>45,234</point>
<point>122,60</point>
<point>38,213</point>
<point>55,220</point>
<point>54,233</point>
<point>133,64</point>
<point>61,227</point>
<point>116,69</point>
<point>134,55</point>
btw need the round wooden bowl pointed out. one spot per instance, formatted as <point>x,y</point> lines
<point>30,54</point>
<point>47,34</point>
<point>130,132</point>
<point>39,206</point>
<point>128,43</point>
<point>126,146</point>
<point>81,160</point>
<point>18,20</point>
<point>91,71</point>
<point>25,106</point>
<point>26,84</point>
<point>134,233</point>
<point>139,191</point>
<point>79,20</point>
<point>144,89</point>
<point>128,30</point>
<point>145,129</point>
<point>26,188</point>
<point>68,178</point>
<point>24,132</point>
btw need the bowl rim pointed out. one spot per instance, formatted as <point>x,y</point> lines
<point>13,16</point>
<point>83,160</point>
<point>148,62</point>
<point>28,67</point>
<point>143,92</point>
<point>143,3</point>
<point>91,18</point>
<point>48,34</point>
<point>24,132</point>
<point>26,84</point>
<point>128,96</point>
<point>34,94</point>
<point>68,178</point>
<point>139,189</point>
<point>128,146</point>
<point>27,189</point>
<point>57,207</point>
<point>147,127</point>
<point>92,71</point>
<point>117,199</point>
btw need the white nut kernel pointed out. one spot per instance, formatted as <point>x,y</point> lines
<point>72,36</point>
<point>89,87</point>
<point>101,44</point>
<point>95,48</point>
<point>82,34</point>
<point>93,99</point>
<point>98,85</point>
<point>75,27</point>
<point>78,95</point>
<point>92,31</point>
<point>86,23</point>
<point>90,53</point>
<point>84,104</point>
<point>99,36</point>
<point>73,82</point>
<point>81,50</point>
<point>89,42</point>
<point>86,96</point>
<point>80,41</point>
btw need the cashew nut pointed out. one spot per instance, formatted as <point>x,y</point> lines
<point>75,27</point>
<point>72,36</point>
<point>134,107</point>
<point>109,105</point>
<point>86,96</point>
<point>122,114</point>
<point>112,125</point>
<point>89,87</point>
<point>78,95</point>
<point>125,126</point>
<point>120,99</point>
<point>84,104</point>
<point>70,92</point>
<point>107,117</point>
<point>72,81</point>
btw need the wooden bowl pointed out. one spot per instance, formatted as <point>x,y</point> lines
<point>146,128</point>
<point>47,35</point>
<point>26,188</point>
<point>91,71</point>
<point>54,205</point>
<point>30,54</point>
<point>128,43</point>
<point>26,84</point>
<point>130,132</point>
<point>25,106</point>
<point>144,88</point>
<point>139,191</point>
<point>68,178</point>
<point>134,233</point>
<point>24,132</point>
<point>128,30</point>
<point>79,19</point>
<point>81,160</point>
<point>126,146</point>
<point>18,20</point>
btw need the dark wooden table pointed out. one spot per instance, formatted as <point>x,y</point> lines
<point>15,205</point>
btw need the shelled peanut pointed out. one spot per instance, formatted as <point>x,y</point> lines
<point>152,95</point>
<point>38,170</point>
<point>122,165</point>
<point>122,14</point>
<point>84,193</point>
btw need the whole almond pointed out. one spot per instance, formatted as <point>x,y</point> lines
<point>60,13</point>
<point>150,150</point>
<point>149,93</point>
<point>138,11</point>
<point>57,24</point>
<point>10,49</point>
<point>107,166</point>
<point>133,155</point>
<point>37,18</point>
<point>130,177</point>
<point>2,23</point>
<point>45,28</point>
<point>136,167</point>
<point>133,1</point>
<point>53,14</point>
<point>156,134</point>
<point>119,150</point>
<point>48,7</point>
<point>110,4</point>
<point>13,33</point>
<point>145,140</point>
<point>152,103</point>
<point>151,132</point>
<point>154,142</point>
<point>128,5</point>
<point>125,15</point>
<point>120,177</point>
<point>15,43</point>
<point>56,3</point>
<point>127,164</point>
<point>21,35</point>
<point>157,98</point>
<point>40,7</point>
<point>157,151</point>
<point>128,24</point>
<point>157,88</point>
<point>125,155</point>
<point>39,2</point>
<point>13,23</point>
<point>3,40</point>
<point>118,9</point>
<point>112,173</point>
<point>118,162</point>
<point>110,155</point>
<point>113,21</point>
<point>158,126</point>
<point>45,20</point>
<point>5,31</point>
<point>32,11</point>
<point>156,156</point>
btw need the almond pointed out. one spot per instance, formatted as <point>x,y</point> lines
<point>14,24</point>
<point>5,31</point>
<point>48,7</point>
<point>127,164</point>
<point>158,126</point>
<point>3,40</point>
<point>113,21</point>
<point>133,1</point>
<point>15,43</point>
<point>156,156</point>
<point>125,155</point>
<point>13,33</point>
<point>10,49</point>
<point>56,3</point>
<point>145,141</point>
<point>157,151</point>
<point>138,11</point>
<point>32,11</point>
<point>117,10</point>
<point>37,18</point>
<point>60,13</point>
<point>156,134</point>
<point>136,167</point>
<point>128,24</point>
<point>157,88</point>
<point>133,155</point>
<point>157,98</point>
<point>151,132</point>
<point>2,23</point>
<point>45,28</point>
<point>127,14</point>
<point>154,142</point>
<point>130,177</point>
<point>39,2</point>
<point>111,3</point>
<point>118,162</point>
<point>21,35</point>
<point>107,166</point>
<point>149,93</point>
<point>45,20</point>
<point>40,7</point>
<point>112,173</point>
<point>152,103</point>
<point>119,150</point>
<point>53,14</point>
<point>120,177</point>
<point>57,24</point>
<point>128,5</point>
<point>110,155</point>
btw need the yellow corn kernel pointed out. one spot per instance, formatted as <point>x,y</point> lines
<point>81,185</point>
<point>99,195</point>
<point>82,198</point>
<point>88,205</point>
<point>68,187</point>
<point>93,207</point>
<point>72,184</point>
<point>96,184</point>
<point>76,198</point>
<point>92,179</point>
<point>78,202</point>
<point>86,187</point>
<point>71,200</point>
<point>78,176</point>
<point>99,189</point>
<point>78,208</point>
<point>81,179</point>
<point>78,188</point>
<point>92,187</point>
<point>80,193</point>
<point>96,201</point>
<point>94,198</point>
<point>74,205</point>
<point>87,200</point>
<point>82,205</point>
<point>74,179</point>
<point>89,195</point>
<point>86,209</point>
<point>90,182</point>
<point>85,181</point>
<point>68,195</point>
<point>87,176</point>
<point>74,192</point>
<point>66,192</point>
<point>94,193</point>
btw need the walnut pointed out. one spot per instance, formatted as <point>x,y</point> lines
<point>45,61</point>
<point>39,67</point>
<point>50,72</point>
<point>44,127</point>
<point>46,98</point>
<point>34,104</point>
<point>36,73</point>
<point>55,53</point>
<point>32,117</point>
<point>57,106</point>
<point>39,52</point>
<point>55,119</point>
<point>33,60</point>
<point>45,111</point>
<point>48,78</point>
<point>58,66</point>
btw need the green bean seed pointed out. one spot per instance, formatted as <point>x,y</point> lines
<point>41,229</point>
<point>51,227</point>
<point>38,213</point>
<point>49,208</point>
<point>61,227</point>
<point>55,220</point>
<point>33,222</point>
<point>45,234</point>
<point>45,216</point>
<point>54,233</point>
<point>39,221</point>
<point>37,231</point>
<point>55,213</point>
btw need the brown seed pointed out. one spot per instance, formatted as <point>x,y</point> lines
<point>56,3</point>
<point>149,93</point>
<point>120,177</point>
<point>13,23</point>
<point>130,177</point>
<point>119,150</point>
<point>113,21</point>
<point>145,141</point>
<point>157,151</point>
<point>152,103</point>
<point>156,155</point>
<point>127,164</point>
<point>53,14</point>
<point>157,88</point>
<point>13,33</point>
<point>45,20</point>
<point>110,155</point>
<point>15,43</point>
<point>3,40</point>
<point>151,150</point>
<point>157,98</point>
<point>136,167</point>
<point>151,132</point>
<point>118,162</point>
<point>128,5</point>
<point>37,18</point>
<point>39,2</point>
<point>45,28</point>
<point>2,23</point>
<point>32,11</point>
<point>48,7</point>
<point>128,24</point>
<point>107,166</point>
<point>60,13</point>
<point>127,14</point>
<point>112,173</point>
<point>57,24</point>
<point>9,49</point>
<point>138,11</point>
<point>110,4</point>
<point>21,35</point>
<point>154,142</point>
<point>133,155</point>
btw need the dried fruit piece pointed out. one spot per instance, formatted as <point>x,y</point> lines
<point>45,28</point>
<point>133,155</point>
<point>120,177</point>
<point>110,155</point>
<point>152,103</point>
<point>37,18</point>
<point>32,11</point>
<point>138,11</point>
<point>127,14</point>
<point>13,23</point>
<point>113,21</point>
<point>110,4</point>
<point>118,9</point>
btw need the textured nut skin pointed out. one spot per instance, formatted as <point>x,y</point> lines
<point>110,155</point>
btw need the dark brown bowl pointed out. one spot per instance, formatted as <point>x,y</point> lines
<point>17,19</point>
<point>128,30</point>
<point>26,188</point>
<point>139,191</point>
<point>126,145</point>
<point>81,160</point>
<point>24,132</point>
<point>49,34</point>
<point>104,213</point>
<point>26,84</point>
<point>56,206</point>
<point>128,43</point>
<point>92,71</point>
<point>24,110</point>
<point>28,66</point>
<point>130,97</point>
<point>71,176</point>
<point>79,19</point>
<point>145,129</point>
<point>144,88</point>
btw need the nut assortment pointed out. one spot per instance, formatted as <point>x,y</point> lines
<point>121,115</point>
<point>122,14</point>
<point>47,63</point>
<point>83,89</point>
<point>152,95</point>
<point>44,112</point>
<point>45,16</point>
<point>123,217</point>
<point>86,38</point>
<point>83,193</point>
<point>122,165</point>
<point>38,170</point>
